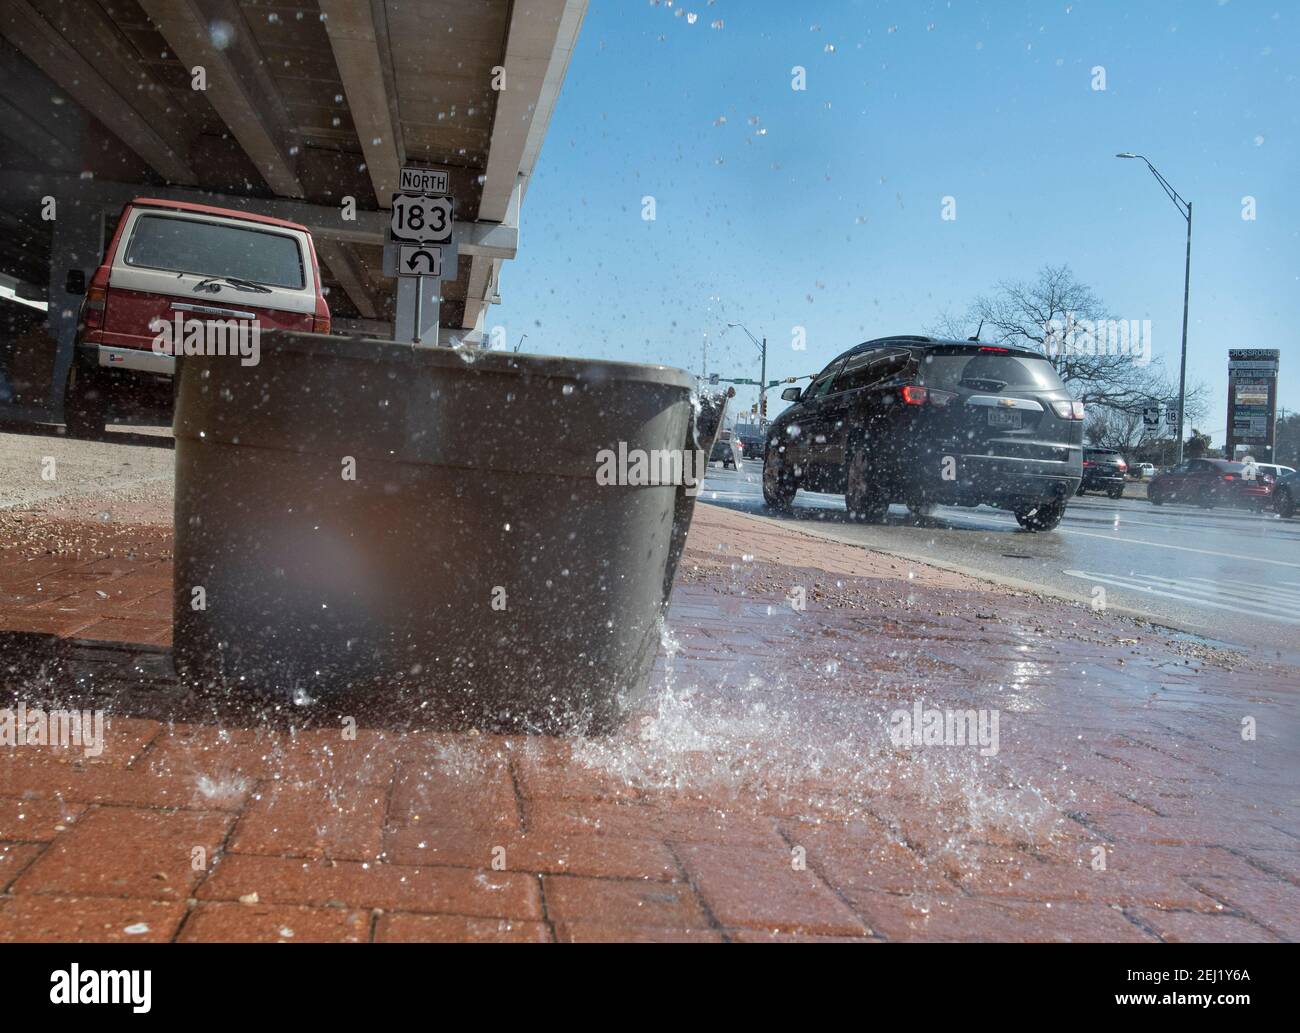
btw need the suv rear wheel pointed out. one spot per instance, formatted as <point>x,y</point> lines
<point>862,496</point>
<point>1043,517</point>
<point>85,403</point>
<point>778,485</point>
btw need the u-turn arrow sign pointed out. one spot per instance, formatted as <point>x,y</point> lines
<point>417,260</point>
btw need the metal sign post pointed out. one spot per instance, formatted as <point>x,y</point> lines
<point>420,250</point>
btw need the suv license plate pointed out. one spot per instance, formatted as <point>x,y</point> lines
<point>1002,418</point>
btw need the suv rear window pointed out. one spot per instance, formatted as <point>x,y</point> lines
<point>215,249</point>
<point>946,371</point>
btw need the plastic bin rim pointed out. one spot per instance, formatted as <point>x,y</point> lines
<point>564,367</point>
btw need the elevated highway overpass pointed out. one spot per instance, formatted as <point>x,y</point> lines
<point>302,109</point>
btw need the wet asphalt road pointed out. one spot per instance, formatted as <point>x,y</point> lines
<point>1230,576</point>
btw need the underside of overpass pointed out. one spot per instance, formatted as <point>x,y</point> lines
<point>304,109</point>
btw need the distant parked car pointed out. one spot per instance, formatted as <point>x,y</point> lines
<point>1212,482</point>
<point>1145,471</point>
<point>752,443</point>
<point>1273,468</point>
<point>930,422</point>
<point>726,450</point>
<point>1103,470</point>
<point>1286,493</point>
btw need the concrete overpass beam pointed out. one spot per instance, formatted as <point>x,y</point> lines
<point>155,141</point>
<point>354,38</point>
<point>238,85</point>
<point>343,265</point>
<point>538,49</point>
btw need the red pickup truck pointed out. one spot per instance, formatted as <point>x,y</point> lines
<point>175,276</point>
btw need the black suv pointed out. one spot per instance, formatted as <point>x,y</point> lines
<point>926,422</point>
<point>1103,470</point>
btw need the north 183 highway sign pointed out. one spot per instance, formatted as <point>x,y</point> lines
<point>421,219</point>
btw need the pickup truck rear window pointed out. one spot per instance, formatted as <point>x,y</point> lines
<point>216,249</point>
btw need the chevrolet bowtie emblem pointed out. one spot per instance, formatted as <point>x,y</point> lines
<point>1008,402</point>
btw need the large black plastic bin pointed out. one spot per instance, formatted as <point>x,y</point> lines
<point>475,484</point>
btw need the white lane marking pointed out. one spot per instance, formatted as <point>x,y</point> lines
<point>1142,583</point>
<point>1266,525</point>
<point>1180,548</point>
<point>1219,590</point>
<point>1105,512</point>
<point>1252,593</point>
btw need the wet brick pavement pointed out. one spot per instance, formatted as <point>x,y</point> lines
<point>758,796</point>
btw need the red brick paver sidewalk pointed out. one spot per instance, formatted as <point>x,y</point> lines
<point>758,796</point>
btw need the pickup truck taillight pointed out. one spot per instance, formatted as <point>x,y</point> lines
<point>92,308</point>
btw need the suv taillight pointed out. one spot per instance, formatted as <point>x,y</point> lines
<point>320,324</point>
<point>913,395</point>
<point>1068,410</point>
<point>93,308</point>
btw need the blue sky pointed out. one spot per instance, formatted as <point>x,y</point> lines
<point>822,208</point>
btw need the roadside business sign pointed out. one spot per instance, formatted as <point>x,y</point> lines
<point>1252,401</point>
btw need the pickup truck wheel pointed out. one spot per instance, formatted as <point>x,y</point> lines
<point>85,403</point>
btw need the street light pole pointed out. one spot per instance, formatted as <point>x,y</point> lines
<point>1185,210</point>
<point>1182,365</point>
<point>762,377</point>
